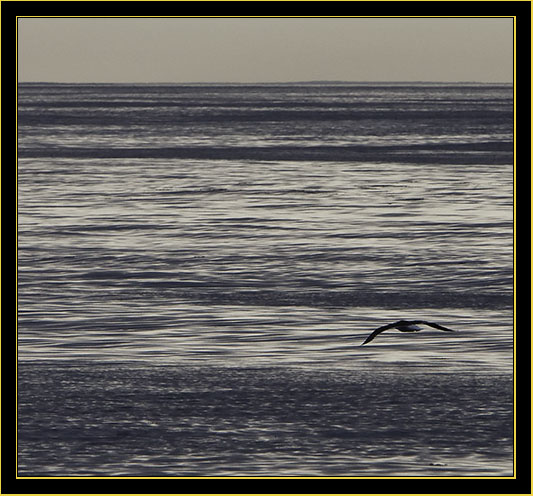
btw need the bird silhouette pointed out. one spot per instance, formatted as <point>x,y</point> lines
<point>405,326</point>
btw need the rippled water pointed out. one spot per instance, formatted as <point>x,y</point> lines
<point>266,226</point>
<point>136,420</point>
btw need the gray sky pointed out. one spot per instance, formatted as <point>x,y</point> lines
<point>265,49</point>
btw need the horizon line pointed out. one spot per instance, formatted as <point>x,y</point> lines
<point>317,81</point>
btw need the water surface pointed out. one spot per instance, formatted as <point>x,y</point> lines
<point>250,237</point>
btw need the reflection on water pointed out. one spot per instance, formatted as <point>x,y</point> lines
<point>235,245</point>
<point>137,420</point>
<point>175,259</point>
<point>319,337</point>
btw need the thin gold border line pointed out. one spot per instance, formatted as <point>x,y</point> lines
<point>282,17</point>
<point>514,248</point>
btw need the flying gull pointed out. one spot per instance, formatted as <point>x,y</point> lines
<point>405,326</point>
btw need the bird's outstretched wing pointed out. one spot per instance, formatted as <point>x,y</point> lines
<point>432,324</point>
<point>379,330</point>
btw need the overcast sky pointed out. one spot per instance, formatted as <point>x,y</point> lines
<point>265,49</point>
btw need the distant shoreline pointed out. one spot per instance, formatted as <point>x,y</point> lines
<point>279,83</point>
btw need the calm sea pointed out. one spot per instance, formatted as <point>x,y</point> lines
<point>243,240</point>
